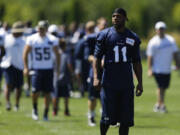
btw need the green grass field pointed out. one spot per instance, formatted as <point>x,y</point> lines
<point>146,121</point>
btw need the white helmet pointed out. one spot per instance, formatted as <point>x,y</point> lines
<point>53,28</point>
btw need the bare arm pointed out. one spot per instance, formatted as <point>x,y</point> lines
<point>137,67</point>
<point>96,69</point>
<point>57,55</point>
<point>26,51</point>
<point>149,62</point>
<point>176,59</point>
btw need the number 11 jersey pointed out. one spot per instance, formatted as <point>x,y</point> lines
<point>120,50</point>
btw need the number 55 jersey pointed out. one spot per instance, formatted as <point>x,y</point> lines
<point>120,50</point>
<point>42,50</point>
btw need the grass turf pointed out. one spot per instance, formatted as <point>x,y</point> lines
<point>146,121</point>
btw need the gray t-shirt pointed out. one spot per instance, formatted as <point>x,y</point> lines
<point>64,77</point>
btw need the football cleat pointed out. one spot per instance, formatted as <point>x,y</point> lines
<point>67,113</point>
<point>162,109</point>
<point>91,122</point>
<point>8,106</point>
<point>16,108</point>
<point>45,118</point>
<point>35,115</point>
<point>156,108</point>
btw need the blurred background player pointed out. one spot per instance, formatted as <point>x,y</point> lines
<point>161,50</point>
<point>29,30</point>
<point>12,63</point>
<point>62,81</point>
<point>93,94</point>
<point>42,45</point>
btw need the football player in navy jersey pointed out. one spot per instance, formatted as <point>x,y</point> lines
<point>121,50</point>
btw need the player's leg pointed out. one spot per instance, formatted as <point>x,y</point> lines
<point>92,103</point>
<point>125,110</point>
<point>160,96</point>
<point>103,128</point>
<point>64,90</point>
<point>162,81</point>
<point>91,111</point>
<point>123,129</point>
<point>47,87</point>
<point>17,98</point>
<point>7,91</point>
<point>36,87</point>
<point>109,109</point>
<point>55,98</point>
<point>66,106</point>
<point>18,83</point>
<point>8,74</point>
<point>35,96</point>
<point>46,102</point>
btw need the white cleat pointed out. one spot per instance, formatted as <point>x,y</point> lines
<point>91,122</point>
<point>34,115</point>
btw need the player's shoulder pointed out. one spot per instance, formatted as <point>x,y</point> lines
<point>104,33</point>
<point>91,36</point>
<point>169,37</point>
<point>132,36</point>
<point>33,36</point>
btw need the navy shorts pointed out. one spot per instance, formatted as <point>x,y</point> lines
<point>42,80</point>
<point>93,93</point>
<point>13,76</point>
<point>162,80</point>
<point>61,90</point>
<point>117,106</point>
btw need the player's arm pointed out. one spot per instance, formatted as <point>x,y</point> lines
<point>26,51</point>
<point>98,54</point>
<point>137,67</point>
<point>57,55</point>
<point>97,69</point>
<point>176,59</point>
<point>149,63</point>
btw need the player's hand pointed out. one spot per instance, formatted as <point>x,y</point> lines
<point>139,90</point>
<point>150,73</point>
<point>97,84</point>
<point>26,71</point>
<point>57,73</point>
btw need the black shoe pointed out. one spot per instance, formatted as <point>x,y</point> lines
<point>66,112</point>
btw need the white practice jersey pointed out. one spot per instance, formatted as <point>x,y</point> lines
<point>42,50</point>
<point>162,51</point>
<point>14,52</point>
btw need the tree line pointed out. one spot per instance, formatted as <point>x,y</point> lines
<point>142,14</point>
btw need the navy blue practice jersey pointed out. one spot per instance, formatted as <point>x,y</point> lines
<point>89,49</point>
<point>120,50</point>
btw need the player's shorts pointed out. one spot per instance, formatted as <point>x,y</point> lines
<point>13,76</point>
<point>42,80</point>
<point>92,92</point>
<point>117,106</point>
<point>61,90</point>
<point>162,80</point>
